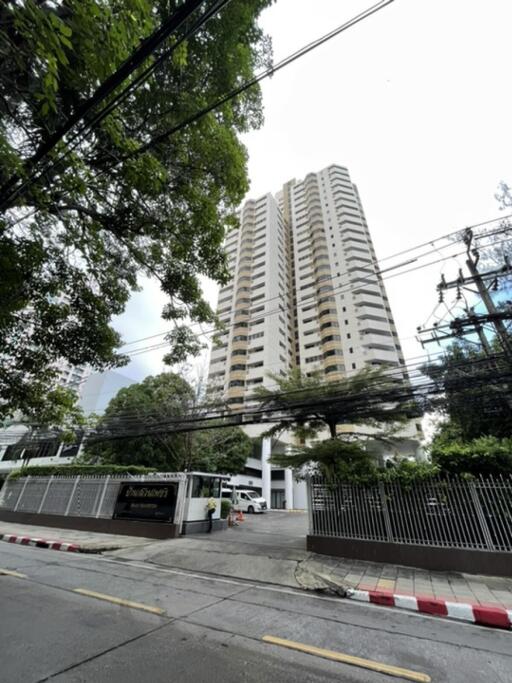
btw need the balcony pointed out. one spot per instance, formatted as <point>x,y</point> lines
<point>368,326</point>
<point>380,356</point>
<point>332,346</point>
<point>237,375</point>
<point>377,341</point>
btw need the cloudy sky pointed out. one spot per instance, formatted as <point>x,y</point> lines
<point>415,101</point>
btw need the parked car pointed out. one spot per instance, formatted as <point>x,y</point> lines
<point>249,501</point>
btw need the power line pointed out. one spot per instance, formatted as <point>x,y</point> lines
<point>264,74</point>
<point>345,289</point>
<point>124,71</point>
<point>141,78</point>
<point>107,86</point>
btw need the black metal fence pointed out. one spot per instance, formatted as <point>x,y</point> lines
<point>448,512</point>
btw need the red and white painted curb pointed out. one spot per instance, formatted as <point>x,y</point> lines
<point>485,615</point>
<point>40,543</point>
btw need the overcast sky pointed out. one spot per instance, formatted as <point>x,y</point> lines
<point>415,101</point>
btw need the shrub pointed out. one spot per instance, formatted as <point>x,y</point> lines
<point>486,456</point>
<point>225,507</point>
<point>75,470</point>
<point>408,472</point>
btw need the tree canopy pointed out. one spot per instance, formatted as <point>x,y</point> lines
<point>135,409</point>
<point>103,211</point>
<point>369,398</point>
<point>473,397</point>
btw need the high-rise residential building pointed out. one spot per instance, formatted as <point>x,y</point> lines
<point>305,293</point>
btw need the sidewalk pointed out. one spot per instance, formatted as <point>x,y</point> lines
<point>446,586</point>
<point>85,540</point>
<point>271,549</point>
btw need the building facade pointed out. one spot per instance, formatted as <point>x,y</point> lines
<point>306,292</point>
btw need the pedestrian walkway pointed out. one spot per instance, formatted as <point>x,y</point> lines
<point>86,541</point>
<point>271,548</point>
<point>387,578</point>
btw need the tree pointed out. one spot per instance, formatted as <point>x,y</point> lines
<point>309,405</point>
<point>472,396</point>
<point>123,434</point>
<point>486,455</point>
<point>102,212</point>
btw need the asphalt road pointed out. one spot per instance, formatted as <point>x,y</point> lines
<point>211,629</point>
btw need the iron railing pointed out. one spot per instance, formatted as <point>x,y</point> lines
<point>448,512</point>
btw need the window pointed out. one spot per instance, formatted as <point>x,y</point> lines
<point>256,380</point>
<point>324,326</point>
<point>237,352</point>
<point>334,368</point>
<point>333,352</point>
<point>205,487</point>
<point>237,383</point>
<point>256,335</point>
<point>259,364</point>
<point>240,337</point>
<point>256,349</point>
<point>313,359</point>
<point>234,368</point>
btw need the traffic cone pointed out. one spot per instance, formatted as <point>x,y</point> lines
<point>240,516</point>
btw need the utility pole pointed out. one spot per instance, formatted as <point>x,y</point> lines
<point>472,264</point>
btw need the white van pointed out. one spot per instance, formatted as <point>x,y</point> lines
<point>248,501</point>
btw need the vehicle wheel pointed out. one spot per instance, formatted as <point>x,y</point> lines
<point>250,510</point>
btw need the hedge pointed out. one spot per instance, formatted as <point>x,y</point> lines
<point>74,470</point>
<point>225,507</point>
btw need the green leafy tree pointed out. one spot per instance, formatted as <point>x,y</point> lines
<point>123,434</point>
<point>75,242</point>
<point>486,455</point>
<point>472,398</point>
<point>310,405</point>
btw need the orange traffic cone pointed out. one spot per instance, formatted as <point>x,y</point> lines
<point>240,516</point>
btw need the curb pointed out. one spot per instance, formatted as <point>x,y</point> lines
<point>484,615</point>
<point>40,543</point>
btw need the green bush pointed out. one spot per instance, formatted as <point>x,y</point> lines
<point>408,472</point>
<point>74,470</point>
<point>485,456</point>
<point>225,507</point>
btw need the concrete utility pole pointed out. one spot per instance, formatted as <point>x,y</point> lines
<point>473,323</point>
<point>501,330</point>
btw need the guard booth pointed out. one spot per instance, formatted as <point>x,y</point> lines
<point>200,487</point>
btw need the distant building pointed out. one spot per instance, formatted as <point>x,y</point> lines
<point>95,391</point>
<point>99,388</point>
<point>305,293</point>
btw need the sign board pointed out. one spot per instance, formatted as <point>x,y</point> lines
<point>148,501</point>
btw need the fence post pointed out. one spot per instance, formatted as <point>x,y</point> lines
<point>43,499</point>
<point>21,493</point>
<point>481,517</point>
<point>310,503</point>
<point>103,493</point>
<point>385,512</point>
<point>71,496</point>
